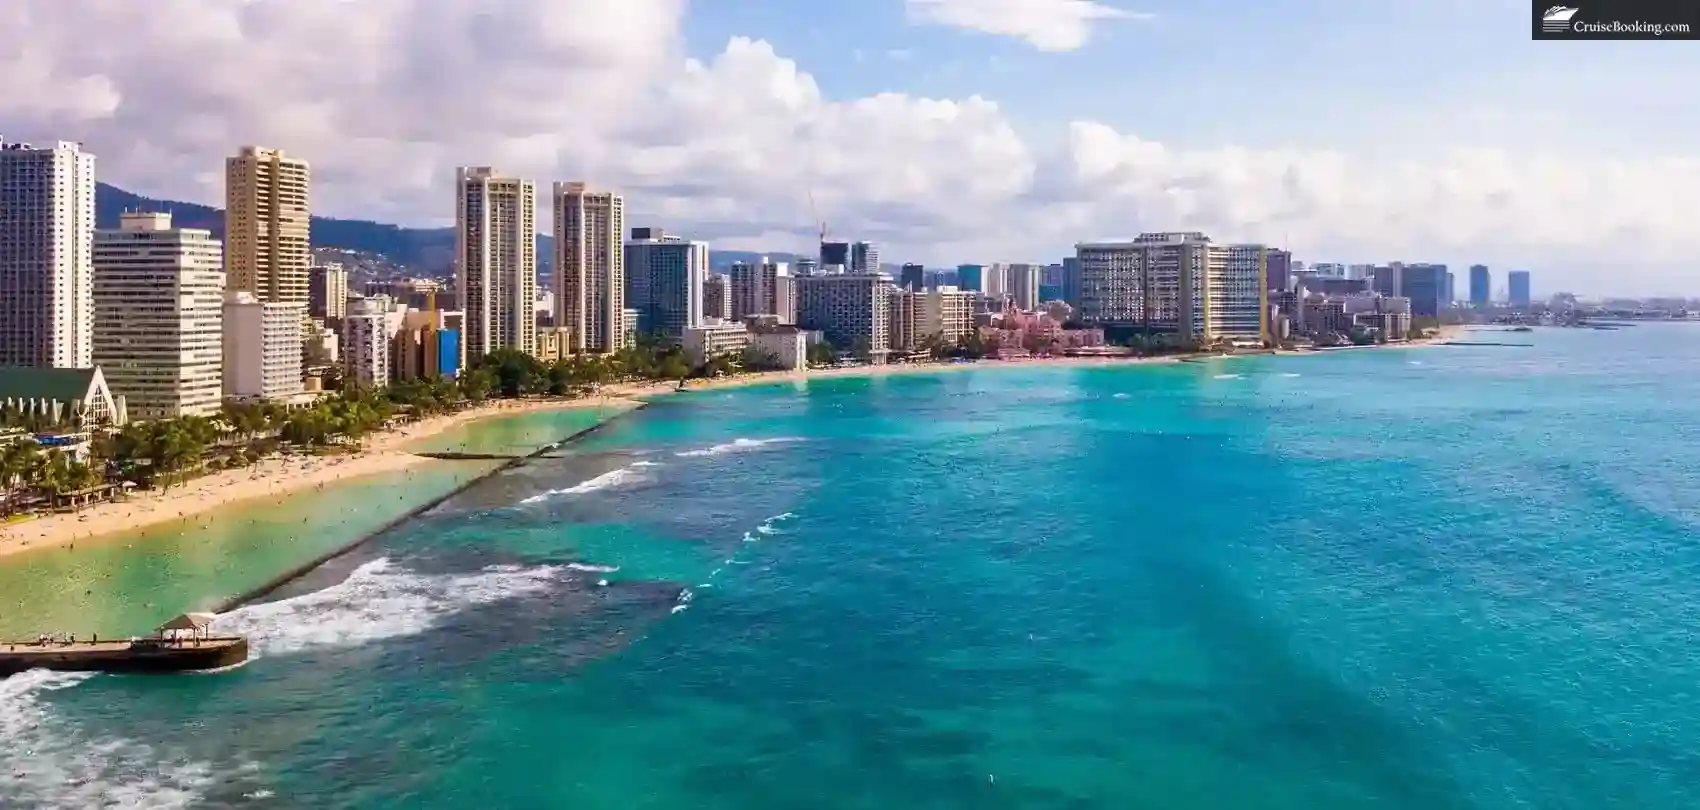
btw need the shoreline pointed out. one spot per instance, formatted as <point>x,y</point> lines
<point>388,452</point>
<point>269,477</point>
<point>663,388</point>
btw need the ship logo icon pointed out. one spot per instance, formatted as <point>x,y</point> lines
<point>1556,20</point>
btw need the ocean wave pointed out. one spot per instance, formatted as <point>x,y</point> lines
<point>1228,376</point>
<point>379,600</point>
<point>1290,374</point>
<point>49,762</point>
<point>592,569</point>
<point>739,445</point>
<point>766,527</point>
<point>607,480</point>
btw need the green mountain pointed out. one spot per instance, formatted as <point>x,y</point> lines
<point>425,250</point>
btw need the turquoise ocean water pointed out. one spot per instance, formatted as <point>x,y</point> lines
<point>1446,577</point>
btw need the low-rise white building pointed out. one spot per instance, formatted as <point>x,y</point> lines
<point>262,348</point>
<point>713,339</point>
<point>788,345</point>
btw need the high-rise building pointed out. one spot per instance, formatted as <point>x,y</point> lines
<point>327,292</point>
<point>717,297</point>
<point>1279,264</point>
<point>1176,283</point>
<point>864,258</point>
<point>46,249</point>
<point>995,281</point>
<point>1071,281</point>
<point>1425,285</point>
<point>755,288</point>
<point>1236,300</point>
<point>428,345</point>
<point>1353,271</point>
<point>971,277</point>
<point>496,254</point>
<point>369,330</point>
<point>944,314</point>
<point>590,266</point>
<point>262,347</point>
<point>267,247</point>
<point>158,313</point>
<point>805,266</point>
<point>1451,289</point>
<point>834,257</point>
<point>785,298</point>
<point>1388,279</point>
<point>849,309</point>
<point>664,281</point>
<point>1481,285</point>
<point>1519,287</point>
<point>913,277</point>
<point>1023,285</point>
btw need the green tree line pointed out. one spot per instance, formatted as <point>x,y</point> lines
<point>163,453</point>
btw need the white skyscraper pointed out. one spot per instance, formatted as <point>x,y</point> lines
<point>496,254</point>
<point>1023,285</point>
<point>46,255</point>
<point>368,332</point>
<point>864,257</point>
<point>262,347</point>
<point>158,315</point>
<point>590,268</point>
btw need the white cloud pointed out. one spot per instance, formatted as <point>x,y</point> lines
<point>391,95</point>
<point>1049,25</point>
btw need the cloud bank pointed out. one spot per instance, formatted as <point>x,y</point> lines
<point>387,97</point>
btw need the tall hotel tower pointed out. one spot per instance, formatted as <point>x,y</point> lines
<point>158,315</point>
<point>46,255</point>
<point>496,258</point>
<point>590,267</point>
<point>266,240</point>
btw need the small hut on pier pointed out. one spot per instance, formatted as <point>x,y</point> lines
<point>190,627</point>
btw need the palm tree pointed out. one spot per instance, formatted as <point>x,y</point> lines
<point>16,460</point>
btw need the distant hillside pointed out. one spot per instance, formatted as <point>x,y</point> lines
<point>424,250</point>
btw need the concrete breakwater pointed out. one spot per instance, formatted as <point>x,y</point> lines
<point>296,572</point>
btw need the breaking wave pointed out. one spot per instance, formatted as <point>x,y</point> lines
<point>379,600</point>
<point>48,762</point>
<point>607,480</point>
<point>739,445</point>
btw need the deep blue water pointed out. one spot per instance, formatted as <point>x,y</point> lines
<point>1448,577</point>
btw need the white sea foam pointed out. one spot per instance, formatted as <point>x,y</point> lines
<point>739,445</point>
<point>379,600</point>
<point>48,762</point>
<point>1118,396</point>
<point>771,525</point>
<point>1228,376</point>
<point>1290,374</point>
<point>613,478</point>
<point>592,569</point>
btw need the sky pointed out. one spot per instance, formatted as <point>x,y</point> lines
<point>947,131</point>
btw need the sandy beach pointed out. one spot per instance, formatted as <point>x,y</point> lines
<point>270,478</point>
<point>387,452</point>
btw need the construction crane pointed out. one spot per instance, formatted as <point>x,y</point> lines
<point>815,215</point>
